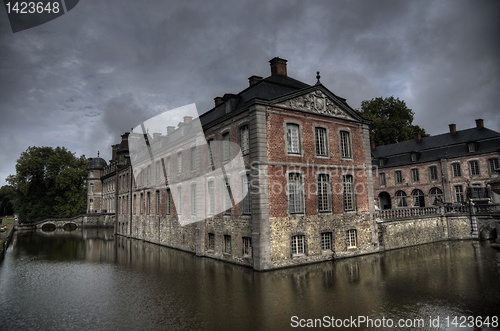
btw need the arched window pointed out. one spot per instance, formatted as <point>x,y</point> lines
<point>418,198</point>
<point>401,199</point>
<point>436,195</point>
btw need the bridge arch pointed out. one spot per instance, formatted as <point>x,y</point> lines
<point>48,227</point>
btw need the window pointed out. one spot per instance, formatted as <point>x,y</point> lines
<point>493,165</point>
<point>134,205</point>
<point>158,172</point>
<point>436,195</point>
<point>169,167</point>
<point>211,197</point>
<point>292,139</point>
<point>401,199</point>
<point>178,207</point>
<point>179,163</point>
<point>244,140</point>
<point>474,168</point>
<point>352,238</point>
<point>194,161</point>
<point>193,199</point>
<point>168,202</point>
<point>323,193</point>
<point>210,153</point>
<point>141,207</point>
<point>381,179</point>
<point>226,152</point>
<point>227,197</point>
<point>456,170</point>
<point>398,177</point>
<point>247,246</point>
<point>295,193</point>
<point>211,241</point>
<point>433,173</point>
<point>157,194</point>
<point>459,193</point>
<point>298,245</point>
<point>91,188</point>
<point>245,191</point>
<point>472,147</point>
<point>348,192</point>
<point>320,139</point>
<point>326,241</point>
<point>418,198</point>
<point>227,244</point>
<point>415,177</point>
<point>345,145</point>
<point>414,156</point>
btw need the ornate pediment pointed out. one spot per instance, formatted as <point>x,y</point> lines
<point>315,102</point>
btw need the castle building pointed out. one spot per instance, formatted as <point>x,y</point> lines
<point>306,178</point>
<point>452,168</point>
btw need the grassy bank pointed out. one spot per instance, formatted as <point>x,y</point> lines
<point>9,225</point>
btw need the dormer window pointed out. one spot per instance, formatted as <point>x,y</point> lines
<point>414,156</point>
<point>382,161</point>
<point>472,146</point>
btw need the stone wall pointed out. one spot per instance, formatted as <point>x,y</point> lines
<point>283,228</point>
<point>410,232</point>
<point>97,220</point>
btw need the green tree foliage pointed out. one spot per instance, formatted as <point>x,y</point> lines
<point>49,182</point>
<point>391,121</point>
<point>7,196</point>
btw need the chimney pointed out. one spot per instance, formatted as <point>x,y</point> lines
<point>418,137</point>
<point>254,80</point>
<point>453,129</point>
<point>170,129</point>
<point>218,101</point>
<point>480,123</point>
<point>187,119</point>
<point>278,66</point>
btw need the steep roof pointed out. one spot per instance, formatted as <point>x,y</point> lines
<point>437,147</point>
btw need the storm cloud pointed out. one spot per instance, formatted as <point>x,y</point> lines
<point>81,80</point>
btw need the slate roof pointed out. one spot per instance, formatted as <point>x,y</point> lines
<point>438,147</point>
<point>266,89</point>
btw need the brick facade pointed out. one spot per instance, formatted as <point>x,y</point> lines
<point>266,233</point>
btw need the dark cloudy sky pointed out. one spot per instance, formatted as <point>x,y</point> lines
<point>83,79</point>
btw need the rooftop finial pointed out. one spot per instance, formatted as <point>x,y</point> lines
<point>318,77</point>
<point>97,153</point>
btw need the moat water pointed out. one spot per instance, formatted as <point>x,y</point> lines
<point>92,280</point>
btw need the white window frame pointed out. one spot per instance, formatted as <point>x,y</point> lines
<point>345,144</point>
<point>245,139</point>
<point>348,194</point>
<point>324,193</point>
<point>321,141</point>
<point>352,238</point>
<point>295,193</point>
<point>293,141</point>
<point>298,245</point>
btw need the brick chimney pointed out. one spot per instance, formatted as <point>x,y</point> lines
<point>278,66</point>
<point>218,101</point>
<point>480,123</point>
<point>453,129</point>
<point>170,129</point>
<point>418,137</point>
<point>254,80</point>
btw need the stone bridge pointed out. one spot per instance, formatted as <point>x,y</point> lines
<point>68,224</point>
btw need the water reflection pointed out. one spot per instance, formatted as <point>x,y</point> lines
<point>98,281</point>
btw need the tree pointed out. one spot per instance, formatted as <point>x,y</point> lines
<point>7,195</point>
<point>49,182</point>
<point>391,121</point>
